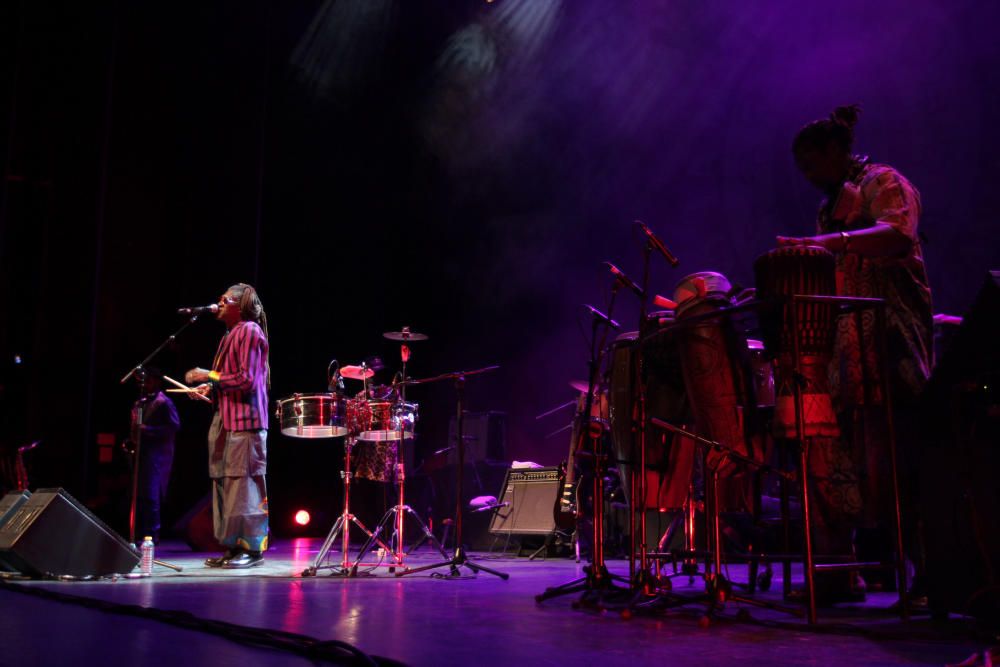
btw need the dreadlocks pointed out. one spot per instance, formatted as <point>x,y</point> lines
<point>252,309</point>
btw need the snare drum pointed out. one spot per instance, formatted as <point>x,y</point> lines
<point>313,416</point>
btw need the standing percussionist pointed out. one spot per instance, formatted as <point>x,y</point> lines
<point>869,221</point>
<point>237,439</point>
<point>160,424</point>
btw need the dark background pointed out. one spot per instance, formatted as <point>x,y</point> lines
<point>459,167</point>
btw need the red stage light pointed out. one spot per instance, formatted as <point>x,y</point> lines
<point>302,518</point>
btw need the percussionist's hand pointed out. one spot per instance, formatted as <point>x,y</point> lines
<point>203,389</point>
<point>785,241</point>
<point>196,375</point>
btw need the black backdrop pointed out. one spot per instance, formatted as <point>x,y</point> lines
<point>459,167</point>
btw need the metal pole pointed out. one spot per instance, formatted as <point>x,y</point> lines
<point>800,432</point>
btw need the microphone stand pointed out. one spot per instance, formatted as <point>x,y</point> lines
<point>642,581</point>
<point>139,371</point>
<point>597,583</point>
<point>460,558</point>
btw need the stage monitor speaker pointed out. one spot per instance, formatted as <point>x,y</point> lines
<point>8,505</point>
<point>51,534</point>
<point>197,528</point>
<point>527,503</point>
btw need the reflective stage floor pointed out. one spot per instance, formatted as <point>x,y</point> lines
<point>426,620</point>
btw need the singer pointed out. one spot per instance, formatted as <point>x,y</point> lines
<point>237,439</point>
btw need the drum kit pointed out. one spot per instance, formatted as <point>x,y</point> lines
<point>375,423</point>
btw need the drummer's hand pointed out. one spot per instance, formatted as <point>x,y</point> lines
<point>203,389</point>
<point>785,241</point>
<point>196,375</point>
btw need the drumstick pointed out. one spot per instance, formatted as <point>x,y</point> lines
<point>189,390</point>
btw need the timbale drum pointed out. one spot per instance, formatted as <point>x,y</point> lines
<point>313,416</point>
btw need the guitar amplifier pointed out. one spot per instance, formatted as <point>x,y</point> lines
<point>527,502</point>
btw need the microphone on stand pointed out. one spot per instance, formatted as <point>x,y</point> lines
<point>335,381</point>
<point>199,310</point>
<point>625,280</point>
<point>657,244</point>
<point>602,317</point>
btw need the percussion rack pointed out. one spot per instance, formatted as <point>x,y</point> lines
<point>846,305</point>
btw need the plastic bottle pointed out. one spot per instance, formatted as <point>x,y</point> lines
<point>146,564</point>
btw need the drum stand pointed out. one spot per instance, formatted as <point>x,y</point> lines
<point>460,559</point>
<point>396,514</point>
<point>718,589</point>
<point>342,527</point>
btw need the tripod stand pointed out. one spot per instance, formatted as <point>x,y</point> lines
<point>400,510</point>
<point>460,558</point>
<point>342,527</point>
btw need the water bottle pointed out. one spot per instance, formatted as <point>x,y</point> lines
<point>146,564</point>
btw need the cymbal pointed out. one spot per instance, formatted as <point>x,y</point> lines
<point>356,372</point>
<point>404,336</point>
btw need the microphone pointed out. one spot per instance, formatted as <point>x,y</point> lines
<point>335,381</point>
<point>602,317</point>
<point>624,280</point>
<point>487,508</point>
<point>200,310</point>
<point>657,244</point>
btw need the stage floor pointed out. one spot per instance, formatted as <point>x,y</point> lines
<point>425,620</point>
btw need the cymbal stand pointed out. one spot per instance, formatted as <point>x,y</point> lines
<point>342,527</point>
<point>460,558</point>
<point>398,512</point>
<point>597,583</point>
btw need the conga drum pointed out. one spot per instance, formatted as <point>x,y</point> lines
<point>669,459</point>
<point>716,368</point>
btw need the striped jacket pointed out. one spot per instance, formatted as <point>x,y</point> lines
<point>241,389</point>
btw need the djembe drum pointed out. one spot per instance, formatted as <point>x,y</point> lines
<point>780,274</point>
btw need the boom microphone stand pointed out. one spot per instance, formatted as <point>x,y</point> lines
<point>460,558</point>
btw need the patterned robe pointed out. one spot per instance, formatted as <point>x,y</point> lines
<point>879,193</point>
